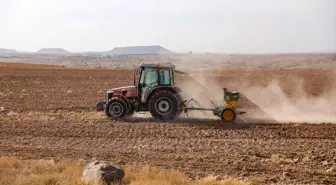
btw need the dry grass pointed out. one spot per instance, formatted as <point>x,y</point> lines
<point>38,172</point>
<point>14,171</point>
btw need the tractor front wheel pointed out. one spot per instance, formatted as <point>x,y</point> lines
<point>164,105</point>
<point>115,109</point>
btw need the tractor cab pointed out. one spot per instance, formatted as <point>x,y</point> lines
<point>151,76</point>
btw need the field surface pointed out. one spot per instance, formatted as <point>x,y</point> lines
<point>49,112</point>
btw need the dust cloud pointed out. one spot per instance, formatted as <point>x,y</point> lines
<point>204,92</point>
<point>270,100</point>
<point>197,86</point>
<point>299,108</point>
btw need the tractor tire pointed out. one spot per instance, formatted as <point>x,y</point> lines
<point>164,105</point>
<point>228,115</point>
<point>116,109</point>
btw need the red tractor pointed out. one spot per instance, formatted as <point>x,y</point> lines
<point>154,90</point>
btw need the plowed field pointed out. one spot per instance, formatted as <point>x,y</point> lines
<point>50,113</point>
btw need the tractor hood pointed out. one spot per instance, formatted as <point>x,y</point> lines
<point>125,88</point>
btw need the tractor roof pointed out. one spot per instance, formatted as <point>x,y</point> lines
<point>158,65</point>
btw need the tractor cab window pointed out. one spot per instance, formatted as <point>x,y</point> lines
<point>165,77</point>
<point>149,77</point>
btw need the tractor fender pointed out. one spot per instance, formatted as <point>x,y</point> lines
<point>120,96</point>
<point>156,89</point>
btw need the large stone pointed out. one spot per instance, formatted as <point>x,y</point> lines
<point>100,172</point>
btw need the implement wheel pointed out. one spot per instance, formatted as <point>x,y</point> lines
<point>228,115</point>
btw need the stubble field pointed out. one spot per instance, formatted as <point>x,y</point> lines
<point>50,113</point>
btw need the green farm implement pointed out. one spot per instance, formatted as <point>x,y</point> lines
<point>227,112</point>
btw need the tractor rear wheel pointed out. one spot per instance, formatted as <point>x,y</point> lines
<point>228,115</point>
<point>116,109</point>
<point>164,105</point>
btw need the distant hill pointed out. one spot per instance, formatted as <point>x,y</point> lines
<point>138,50</point>
<point>7,51</point>
<point>52,51</point>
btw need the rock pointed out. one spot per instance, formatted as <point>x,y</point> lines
<point>306,159</point>
<point>325,163</point>
<point>12,113</point>
<point>331,170</point>
<point>179,158</point>
<point>2,109</point>
<point>244,174</point>
<point>97,172</point>
<point>273,179</point>
<point>286,174</point>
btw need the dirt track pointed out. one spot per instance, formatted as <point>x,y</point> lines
<point>49,113</point>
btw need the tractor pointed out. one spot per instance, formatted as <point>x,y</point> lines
<point>154,90</point>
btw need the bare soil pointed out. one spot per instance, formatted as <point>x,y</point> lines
<point>49,113</point>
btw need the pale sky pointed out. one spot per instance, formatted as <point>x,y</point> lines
<point>229,26</point>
